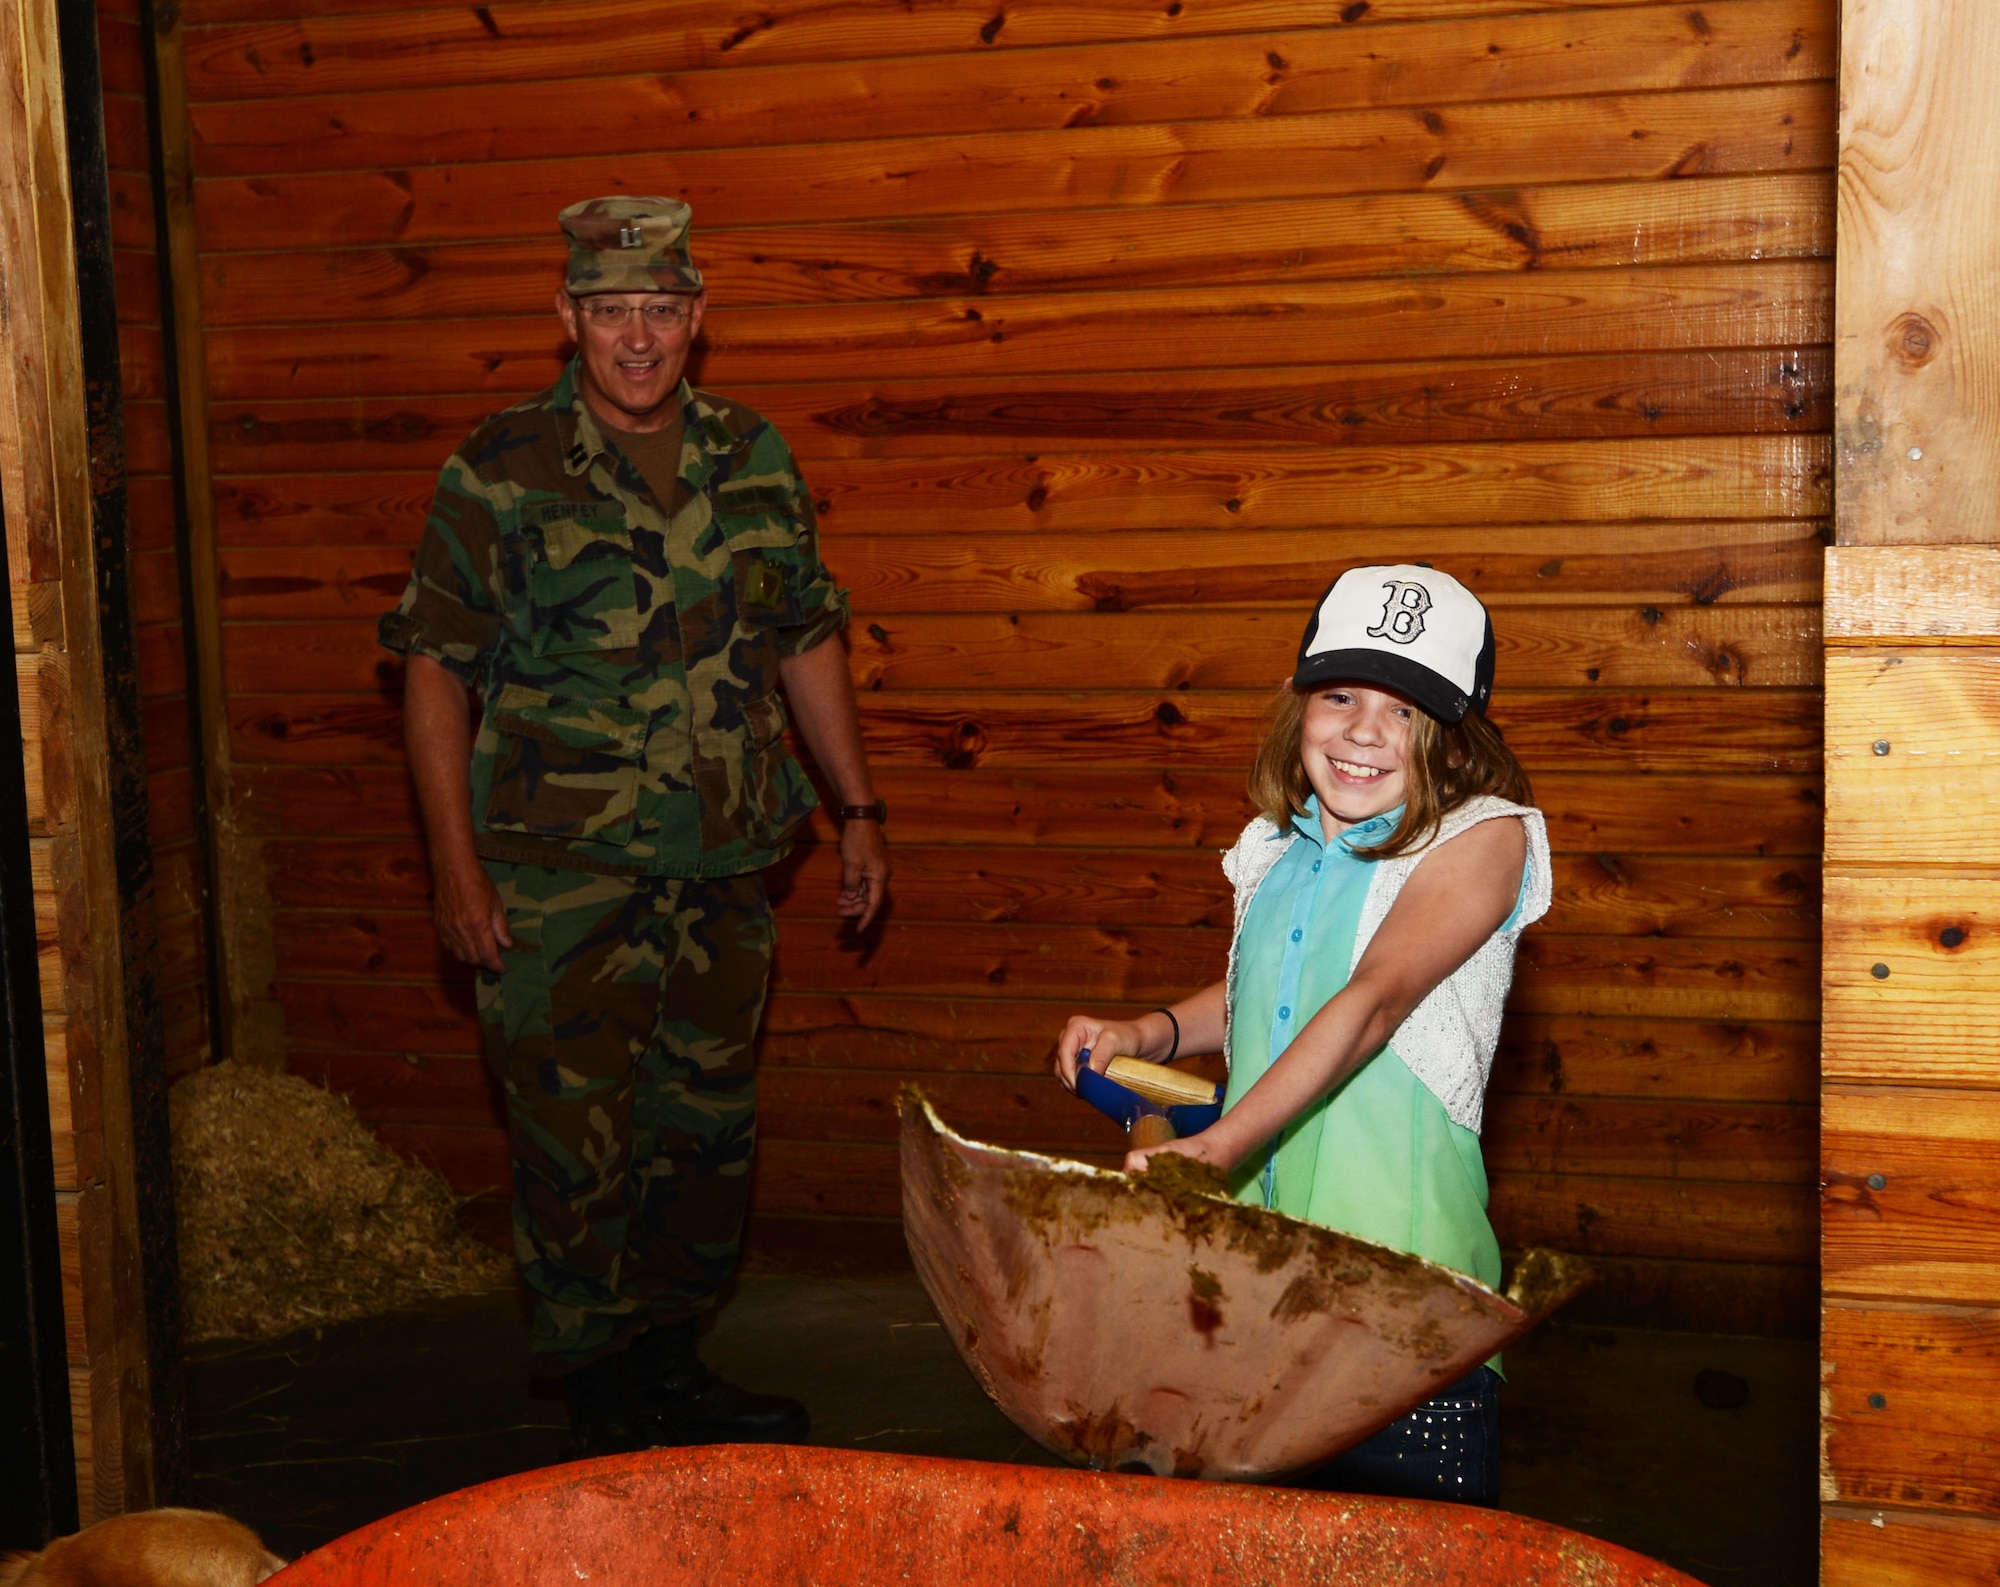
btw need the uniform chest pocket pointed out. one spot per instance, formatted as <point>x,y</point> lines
<point>565,768</point>
<point>581,591</point>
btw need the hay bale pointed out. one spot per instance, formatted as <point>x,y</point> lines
<point>291,1215</point>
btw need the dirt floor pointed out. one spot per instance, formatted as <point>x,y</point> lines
<point>1604,1430</point>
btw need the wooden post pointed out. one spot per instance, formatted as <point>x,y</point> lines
<point>1910,1146</point>
<point>246,1023</point>
<point>38,1458</point>
<point>61,471</point>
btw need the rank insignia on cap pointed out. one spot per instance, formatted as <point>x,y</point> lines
<point>628,244</point>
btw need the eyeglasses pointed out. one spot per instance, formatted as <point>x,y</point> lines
<point>669,314</point>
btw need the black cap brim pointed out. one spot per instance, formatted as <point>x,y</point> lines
<point>1421,685</point>
<point>1431,690</point>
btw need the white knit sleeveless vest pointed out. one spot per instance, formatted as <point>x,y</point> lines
<point>1448,1038</point>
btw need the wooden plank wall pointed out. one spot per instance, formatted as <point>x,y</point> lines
<point>170,750</point>
<point>1910,1170</point>
<point>1107,330</point>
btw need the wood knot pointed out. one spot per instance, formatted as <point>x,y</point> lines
<point>1913,340</point>
<point>963,746</point>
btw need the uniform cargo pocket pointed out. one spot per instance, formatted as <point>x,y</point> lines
<point>581,590</point>
<point>777,797</point>
<point>565,768</point>
<point>765,719</point>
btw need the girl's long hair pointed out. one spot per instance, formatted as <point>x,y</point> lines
<point>1446,765</point>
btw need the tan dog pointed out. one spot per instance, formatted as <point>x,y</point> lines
<point>150,1548</point>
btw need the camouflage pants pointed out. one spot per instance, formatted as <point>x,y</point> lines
<point>621,1032</point>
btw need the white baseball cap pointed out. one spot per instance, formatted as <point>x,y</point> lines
<point>1406,627</point>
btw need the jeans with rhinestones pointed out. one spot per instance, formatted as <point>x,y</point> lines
<point>1447,1448</point>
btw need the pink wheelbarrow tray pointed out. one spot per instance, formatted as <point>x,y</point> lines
<point>760,1516</point>
<point>1143,1325</point>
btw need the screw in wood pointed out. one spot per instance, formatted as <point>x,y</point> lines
<point>1879,971</point>
<point>1916,454</point>
<point>1881,746</point>
<point>1877,1182</point>
<point>1877,1403</point>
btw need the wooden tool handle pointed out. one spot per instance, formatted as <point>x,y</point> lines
<point>1150,1129</point>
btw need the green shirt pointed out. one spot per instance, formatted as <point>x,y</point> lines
<point>626,641</point>
<point>1377,1157</point>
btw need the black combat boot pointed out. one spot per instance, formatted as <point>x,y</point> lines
<point>691,1405</point>
<point>606,1416</point>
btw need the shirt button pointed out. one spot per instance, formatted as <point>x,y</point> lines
<point>1315,864</point>
<point>1285,1011</point>
<point>1296,934</point>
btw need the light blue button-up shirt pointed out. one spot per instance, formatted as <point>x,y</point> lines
<point>1309,907</point>
<point>1378,1156</point>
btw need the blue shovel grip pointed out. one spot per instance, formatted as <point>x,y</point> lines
<point>1127,1106</point>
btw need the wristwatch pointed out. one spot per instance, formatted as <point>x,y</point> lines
<point>878,811</point>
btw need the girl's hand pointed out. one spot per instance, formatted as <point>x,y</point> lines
<point>1092,1041</point>
<point>1203,1148</point>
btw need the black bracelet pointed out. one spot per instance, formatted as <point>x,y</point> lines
<point>1177,1034</point>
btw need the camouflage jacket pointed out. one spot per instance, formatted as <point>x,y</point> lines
<point>627,649</point>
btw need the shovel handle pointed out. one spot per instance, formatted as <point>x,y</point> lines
<point>1150,1130</point>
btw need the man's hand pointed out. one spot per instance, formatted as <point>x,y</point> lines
<point>864,871</point>
<point>471,920</point>
<point>822,701</point>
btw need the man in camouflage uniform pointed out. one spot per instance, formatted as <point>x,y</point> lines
<point>627,571</point>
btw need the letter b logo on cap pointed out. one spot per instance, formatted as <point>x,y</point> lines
<point>1402,612</point>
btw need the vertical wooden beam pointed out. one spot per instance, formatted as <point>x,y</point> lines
<point>1910,1069</point>
<point>38,1457</point>
<point>246,1023</point>
<point>187,441</point>
<point>1917,315</point>
<point>136,1116</point>
<point>61,460</point>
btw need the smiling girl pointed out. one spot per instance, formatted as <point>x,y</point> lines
<point>1379,897</point>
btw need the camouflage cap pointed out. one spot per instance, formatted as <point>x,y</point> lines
<point>621,244</point>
